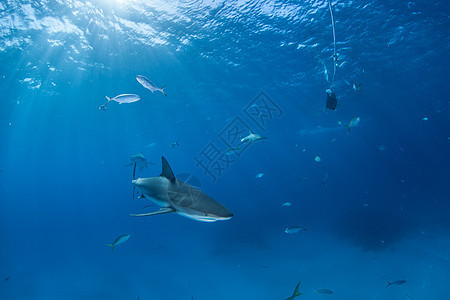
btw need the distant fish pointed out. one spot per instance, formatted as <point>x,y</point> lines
<point>232,150</point>
<point>317,158</point>
<point>124,98</point>
<point>353,123</point>
<point>296,293</point>
<point>331,141</point>
<point>325,179</point>
<point>140,160</point>
<point>324,291</point>
<point>251,138</point>
<point>295,229</point>
<point>7,278</point>
<point>151,145</point>
<point>259,175</point>
<point>325,72</point>
<point>286,204</point>
<point>173,145</point>
<point>357,88</point>
<point>425,119</point>
<point>148,84</point>
<point>398,282</point>
<point>119,240</point>
<point>381,147</point>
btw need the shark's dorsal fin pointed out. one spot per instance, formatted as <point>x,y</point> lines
<point>166,170</point>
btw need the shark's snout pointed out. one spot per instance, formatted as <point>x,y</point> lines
<point>222,215</point>
<point>140,182</point>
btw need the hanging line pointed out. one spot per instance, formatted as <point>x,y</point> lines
<point>335,58</point>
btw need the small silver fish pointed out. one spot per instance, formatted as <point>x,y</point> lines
<point>119,240</point>
<point>357,88</point>
<point>124,98</point>
<point>148,84</point>
<point>295,229</point>
<point>286,204</point>
<point>353,123</point>
<point>259,175</point>
<point>325,72</point>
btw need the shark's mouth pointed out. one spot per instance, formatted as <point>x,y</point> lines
<point>204,218</point>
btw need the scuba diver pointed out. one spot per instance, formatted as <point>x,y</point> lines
<point>331,100</point>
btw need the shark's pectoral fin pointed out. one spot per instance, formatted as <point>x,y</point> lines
<point>163,210</point>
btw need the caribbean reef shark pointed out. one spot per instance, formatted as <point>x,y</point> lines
<point>176,196</point>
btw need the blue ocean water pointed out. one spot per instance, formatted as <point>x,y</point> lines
<point>375,201</point>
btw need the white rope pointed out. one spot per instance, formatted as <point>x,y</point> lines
<point>334,42</point>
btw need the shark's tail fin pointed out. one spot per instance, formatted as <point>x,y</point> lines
<point>103,107</point>
<point>112,247</point>
<point>296,292</point>
<point>349,128</point>
<point>162,90</point>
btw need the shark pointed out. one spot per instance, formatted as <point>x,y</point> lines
<point>176,196</point>
<point>140,161</point>
<point>251,138</point>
